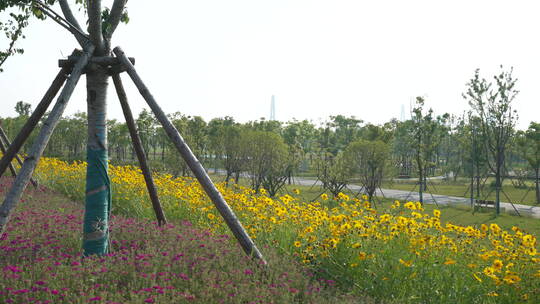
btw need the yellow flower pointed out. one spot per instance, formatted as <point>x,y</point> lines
<point>511,279</point>
<point>436,213</point>
<point>449,261</point>
<point>405,263</point>
<point>309,229</point>
<point>296,191</point>
<point>410,205</point>
<point>484,227</point>
<point>211,216</point>
<point>324,196</point>
<point>494,228</point>
<point>489,271</point>
<point>355,245</point>
<point>477,277</point>
<point>492,294</point>
<point>297,244</point>
<point>362,256</point>
<point>497,264</point>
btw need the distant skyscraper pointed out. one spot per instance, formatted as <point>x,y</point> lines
<point>402,117</point>
<point>273,108</point>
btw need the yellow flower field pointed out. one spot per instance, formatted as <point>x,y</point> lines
<point>403,254</point>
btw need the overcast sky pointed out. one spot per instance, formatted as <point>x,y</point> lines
<point>318,57</point>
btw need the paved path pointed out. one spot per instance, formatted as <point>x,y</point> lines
<point>532,211</point>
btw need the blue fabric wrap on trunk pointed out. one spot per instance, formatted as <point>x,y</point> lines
<point>97,204</point>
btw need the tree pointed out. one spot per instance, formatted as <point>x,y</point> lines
<point>102,22</point>
<point>346,130</point>
<point>492,102</point>
<point>234,152</point>
<point>368,161</point>
<point>266,160</point>
<point>216,138</point>
<point>529,146</point>
<point>402,148</point>
<point>427,133</point>
<point>146,125</point>
<point>23,108</point>
<point>334,172</point>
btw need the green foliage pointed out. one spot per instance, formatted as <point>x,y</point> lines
<point>23,108</point>
<point>529,147</point>
<point>492,102</point>
<point>368,160</point>
<point>267,160</point>
<point>334,172</point>
<point>426,134</point>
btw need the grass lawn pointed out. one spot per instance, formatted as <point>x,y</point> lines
<point>460,189</point>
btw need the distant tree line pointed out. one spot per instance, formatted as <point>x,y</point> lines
<point>481,142</point>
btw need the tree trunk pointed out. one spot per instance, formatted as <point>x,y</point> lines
<point>227,177</point>
<point>537,182</point>
<point>98,193</point>
<point>163,152</point>
<point>498,187</point>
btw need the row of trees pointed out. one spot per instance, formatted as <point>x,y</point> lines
<point>479,143</point>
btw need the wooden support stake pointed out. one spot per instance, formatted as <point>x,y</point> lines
<point>100,60</point>
<point>3,149</point>
<point>226,212</point>
<point>3,137</point>
<point>141,155</point>
<point>33,120</point>
<point>14,194</point>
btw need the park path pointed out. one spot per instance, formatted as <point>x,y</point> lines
<point>532,211</point>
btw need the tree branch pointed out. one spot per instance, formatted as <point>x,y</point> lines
<point>115,17</point>
<point>68,14</point>
<point>94,25</point>
<point>10,50</point>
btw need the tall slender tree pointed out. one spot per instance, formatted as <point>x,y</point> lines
<point>492,102</point>
<point>102,23</point>
<point>529,147</point>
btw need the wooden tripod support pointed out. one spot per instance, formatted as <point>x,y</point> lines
<point>4,142</point>
<point>33,120</point>
<point>29,165</point>
<point>137,145</point>
<point>226,212</point>
<point>75,66</point>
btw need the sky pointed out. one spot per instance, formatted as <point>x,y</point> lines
<point>216,58</point>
